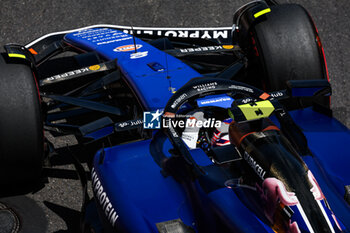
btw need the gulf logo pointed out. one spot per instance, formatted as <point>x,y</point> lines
<point>127,48</point>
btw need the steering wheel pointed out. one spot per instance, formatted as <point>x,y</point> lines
<point>197,88</point>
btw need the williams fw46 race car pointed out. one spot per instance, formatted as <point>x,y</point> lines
<point>197,129</point>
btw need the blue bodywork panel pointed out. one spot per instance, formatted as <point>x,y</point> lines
<point>328,140</point>
<point>143,196</point>
<point>152,85</point>
<point>134,168</point>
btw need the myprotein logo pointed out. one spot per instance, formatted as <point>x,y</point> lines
<point>191,33</point>
<point>138,55</point>
<point>102,198</point>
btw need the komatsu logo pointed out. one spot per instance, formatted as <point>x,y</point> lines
<point>103,199</point>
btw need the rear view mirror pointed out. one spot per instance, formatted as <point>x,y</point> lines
<point>309,88</point>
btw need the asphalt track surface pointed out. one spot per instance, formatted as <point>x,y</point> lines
<point>55,206</point>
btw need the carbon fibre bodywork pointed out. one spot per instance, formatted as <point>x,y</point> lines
<point>133,190</point>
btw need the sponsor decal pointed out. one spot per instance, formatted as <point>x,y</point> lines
<point>115,40</point>
<point>247,100</point>
<point>241,88</point>
<point>203,34</point>
<point>67,74</point>
<point>138,55</point>
<point>223,101</point>
<point>151,120</point>
<point>276,94</point>
<point>130,123</point>
<point>127,125</point>
<point>207,48</point>
<point>257,168</point>
<point>136,122</point>
<point>228,46</point>
<point>102,36</point>
<point>127,48</point>
<point>217,33</point>
<point>178,100</point>
<point>202,49</point>
<point>205,86</point>
<point>94,67</point>
<point>122,124</point>
<point>102,198</point>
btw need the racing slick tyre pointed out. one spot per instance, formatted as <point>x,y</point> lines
<point>288,47</point>
<point>21,127</point>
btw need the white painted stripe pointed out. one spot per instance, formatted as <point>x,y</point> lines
<point>336,222</point>
<point>306,220</point>
<point>326,216</point>
<point>122,27</point>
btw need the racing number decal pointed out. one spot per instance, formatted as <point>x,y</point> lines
<point>257,110</point>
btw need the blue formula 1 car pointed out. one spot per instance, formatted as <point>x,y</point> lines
<point>197,129</point>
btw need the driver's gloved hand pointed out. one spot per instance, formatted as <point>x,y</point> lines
<point>190,134</point>
<point>220,136</point>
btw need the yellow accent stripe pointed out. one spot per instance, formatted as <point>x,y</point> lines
<point>261,109</point>
<point>17,55</point>
<point>231,114</point>
<point>260,13</point>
